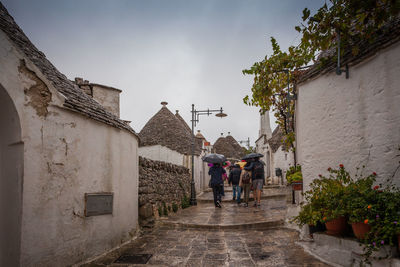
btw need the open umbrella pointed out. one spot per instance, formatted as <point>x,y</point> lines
<point>214,158</point>
<point>252,156</point>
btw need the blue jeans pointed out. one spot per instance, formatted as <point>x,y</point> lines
<point>236,192</point>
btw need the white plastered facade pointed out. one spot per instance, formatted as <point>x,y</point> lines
<point>66,155</point>
<point>353,121</point>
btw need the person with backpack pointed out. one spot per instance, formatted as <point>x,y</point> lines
<point>257,171</point>
<point>216,182</point>
<point>245,183</point>
<point>234,179</point>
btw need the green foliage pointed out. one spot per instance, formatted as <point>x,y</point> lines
<point>185,202</point>
<point>355,20</point>
<point>295,177</point>
<point>160,211</point>
<point>169,208</point>
<point>174,207</point>
<point>294,174</point>
<point>358,199</point>
<point>165,210</point>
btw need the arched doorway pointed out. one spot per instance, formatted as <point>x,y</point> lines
<point>11,175</point>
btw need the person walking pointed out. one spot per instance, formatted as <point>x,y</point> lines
<point>257,177</point>
<point>234,179</point>
<point>216,182</point>
<point>245,183</point>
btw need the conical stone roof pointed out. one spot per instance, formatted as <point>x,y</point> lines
<point>276,140</point>
<point>165,129</point>
<point>224,147</point>
<point>238,148</point>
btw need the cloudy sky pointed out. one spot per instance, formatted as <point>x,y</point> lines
<point>180,51</point>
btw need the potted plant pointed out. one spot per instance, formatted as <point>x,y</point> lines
<point>310,215</point>
<point>385,226</point>
<point>326,196</point>
<point>295,177</point>
<point>360,198</point>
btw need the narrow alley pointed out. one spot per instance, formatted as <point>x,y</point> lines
<point>203,235</point>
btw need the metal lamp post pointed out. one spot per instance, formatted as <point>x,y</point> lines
<point>195,119</point>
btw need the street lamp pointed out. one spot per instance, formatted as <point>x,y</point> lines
<point>195,119</point>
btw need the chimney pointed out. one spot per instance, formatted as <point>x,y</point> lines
<point>164,104</point>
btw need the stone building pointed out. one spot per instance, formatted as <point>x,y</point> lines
<point>354,121</point>
<point>167,137</point>
<point>275,155</point>
<point>58,149</point>
<point>224,146</point>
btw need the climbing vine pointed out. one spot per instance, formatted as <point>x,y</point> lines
<point>276,76</point>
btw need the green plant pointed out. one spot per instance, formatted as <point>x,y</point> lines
<point>169,208</point>
<point>355,20</point>
<point>309,214</point>
<point>185,202</point>
<point>295,177</point>
<point>165,210</point>
<point>174,207</point>
<point>159,211</point>
<point>384,221</point>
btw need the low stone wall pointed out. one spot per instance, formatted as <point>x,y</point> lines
<point>159,183</point>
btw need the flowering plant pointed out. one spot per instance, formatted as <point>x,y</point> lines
<point>294,174</point>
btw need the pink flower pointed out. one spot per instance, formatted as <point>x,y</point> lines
<point>341,165</point>
<point>374,173</point>
<point>376,187</point>
<point>329,169</point>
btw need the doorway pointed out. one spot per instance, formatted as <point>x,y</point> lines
<point>11,175</point>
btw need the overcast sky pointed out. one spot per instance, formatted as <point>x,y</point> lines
<point>183,52</point>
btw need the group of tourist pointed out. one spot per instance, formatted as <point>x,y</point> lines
<point>250,177</point>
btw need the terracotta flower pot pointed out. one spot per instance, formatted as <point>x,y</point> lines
<point>297,186</point>
<point>360,229</point>
<point>336,226</point>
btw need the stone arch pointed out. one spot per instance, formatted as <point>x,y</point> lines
<point>11,176</point>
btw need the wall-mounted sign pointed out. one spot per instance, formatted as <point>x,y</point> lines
<point>98,204</point>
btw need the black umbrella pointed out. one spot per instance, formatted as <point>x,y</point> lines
<point>252,156</point>
<point>214,158</point>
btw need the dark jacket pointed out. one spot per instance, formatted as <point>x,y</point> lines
<point>234,175</point>
<point>216,175</point>
<point>257,170</point>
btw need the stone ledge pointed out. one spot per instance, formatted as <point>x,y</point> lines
<point>338,251</point>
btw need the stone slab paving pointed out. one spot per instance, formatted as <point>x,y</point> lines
<point>271,213</point>
<point>200,247</point>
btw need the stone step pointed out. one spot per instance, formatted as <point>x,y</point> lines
<point>208,197</point>
<point>260,225</point>
<point>270,214</point>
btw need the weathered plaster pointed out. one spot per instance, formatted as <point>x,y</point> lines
<point>353,121</point>
<point>38,93</point>
<point>65,156</point>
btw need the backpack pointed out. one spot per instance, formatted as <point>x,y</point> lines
<point>246,177</point>
<point>258,170</point>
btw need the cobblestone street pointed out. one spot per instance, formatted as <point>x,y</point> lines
<point>208,236</point>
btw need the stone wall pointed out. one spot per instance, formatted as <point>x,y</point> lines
<point>160,182</point>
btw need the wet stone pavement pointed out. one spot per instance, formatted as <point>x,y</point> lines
<point>207,236</point>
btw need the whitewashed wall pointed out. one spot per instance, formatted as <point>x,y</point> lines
<point>353,121</point>
<point>65,156</point>
<point>283,160</point>
<point>163,153</point>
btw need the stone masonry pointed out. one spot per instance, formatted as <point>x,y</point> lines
<point>160,182</point>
